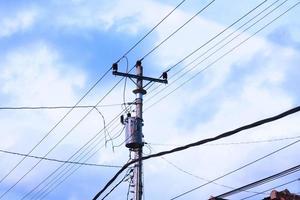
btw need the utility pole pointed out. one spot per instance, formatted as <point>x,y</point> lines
<point>133,125</point>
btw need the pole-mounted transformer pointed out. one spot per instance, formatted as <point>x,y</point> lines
<point>133,133</point>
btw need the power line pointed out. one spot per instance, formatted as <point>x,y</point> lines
<point>284,184</point>
<point>261,181</point>
<point>178,29</point>
<point>219,58</point>
<point>201,142</point>
<point>57,160</point>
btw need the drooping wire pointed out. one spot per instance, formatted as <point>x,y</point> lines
<point>222,56</point>
<point>178,29</point>
<point>201,142</point>
<point>106,133</point>
<point>57,160</point>
<point>125,82</point>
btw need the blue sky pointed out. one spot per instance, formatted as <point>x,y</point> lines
<point>52,52</point>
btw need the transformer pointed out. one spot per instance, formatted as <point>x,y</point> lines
<point>133,133</point>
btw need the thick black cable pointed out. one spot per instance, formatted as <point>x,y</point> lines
<point>105,131</point>
<point>57,160</point>
<point>261,181</point>
<point>201,142</point>
<point>221,57</point>
<point>173,33</point>
<point>278,186</point>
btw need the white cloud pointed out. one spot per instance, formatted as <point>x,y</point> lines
<point>19,22</point>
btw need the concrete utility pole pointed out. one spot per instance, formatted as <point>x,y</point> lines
<point>134,134</point>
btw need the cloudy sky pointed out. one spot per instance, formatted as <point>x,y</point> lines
<point>52,52</point>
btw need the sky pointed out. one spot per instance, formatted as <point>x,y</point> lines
<point>52,52</point>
